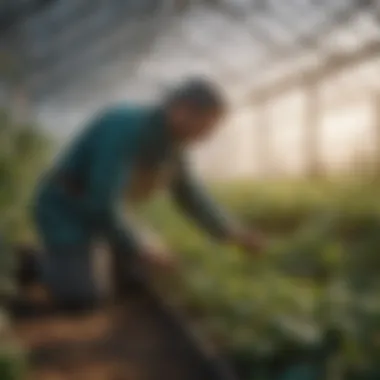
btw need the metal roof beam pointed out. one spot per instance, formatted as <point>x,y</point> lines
<point>333,64</point>
<point>12,15</point>
<point>257,33</point>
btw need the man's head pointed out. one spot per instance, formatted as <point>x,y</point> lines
<point>194,109</point>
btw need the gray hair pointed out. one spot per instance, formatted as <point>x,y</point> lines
<point>199,92</point>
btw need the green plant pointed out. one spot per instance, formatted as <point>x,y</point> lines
<point>323,260</point>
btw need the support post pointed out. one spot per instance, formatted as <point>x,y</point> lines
<point>312,136</point>
<point>263,132</point>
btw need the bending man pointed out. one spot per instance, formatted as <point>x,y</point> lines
<point>134,150</point>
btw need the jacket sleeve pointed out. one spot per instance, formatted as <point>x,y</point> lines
<point>108,174</point>
<point>194,201</point>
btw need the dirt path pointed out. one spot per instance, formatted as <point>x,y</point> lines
<point>135,340</point>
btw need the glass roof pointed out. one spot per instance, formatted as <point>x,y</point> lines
<point>248,45</point>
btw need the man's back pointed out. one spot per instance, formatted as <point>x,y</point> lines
<point>83,184</point>
<point>108,131</point>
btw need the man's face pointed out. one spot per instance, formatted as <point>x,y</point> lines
<point>189,124</point>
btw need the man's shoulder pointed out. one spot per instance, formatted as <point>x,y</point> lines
<point>119,120</point>
<point>126,112</point>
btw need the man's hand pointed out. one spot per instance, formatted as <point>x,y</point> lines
<point>157,257</point>
<point>250,241</point>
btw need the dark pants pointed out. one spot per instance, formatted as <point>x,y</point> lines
<point>67,272</point>
<point>66,266</point>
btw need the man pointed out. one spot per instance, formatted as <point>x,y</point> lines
<point>128,150</point>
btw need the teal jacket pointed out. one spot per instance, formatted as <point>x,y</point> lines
<point>102,160</point>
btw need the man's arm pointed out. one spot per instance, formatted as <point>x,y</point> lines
<point>192,198</point>
<point>113,153</point>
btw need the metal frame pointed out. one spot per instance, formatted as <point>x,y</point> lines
<point>248,18</point>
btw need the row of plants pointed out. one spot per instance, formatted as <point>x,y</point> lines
<point>320,272</point>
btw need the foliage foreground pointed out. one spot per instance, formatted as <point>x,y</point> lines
<point>320,273</point>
